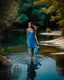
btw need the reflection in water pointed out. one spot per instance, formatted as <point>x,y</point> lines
<point>4,73</point>
<point>16,71</point>
<point>31,73</point>
<point>60,66</point>
<point>40,68</point>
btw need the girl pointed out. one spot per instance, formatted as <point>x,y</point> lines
<point>31,39</point>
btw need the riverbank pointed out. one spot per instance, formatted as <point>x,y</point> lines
<point>4,60</point>
<point>58,43</point>
<point>52,33</point>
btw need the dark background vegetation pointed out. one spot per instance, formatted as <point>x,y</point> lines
<point>17,13</point>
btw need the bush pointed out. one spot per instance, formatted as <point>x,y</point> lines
<point>48,30</point>
<point>1,51</point>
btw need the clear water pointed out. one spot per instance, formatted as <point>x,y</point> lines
<point>23,68</point>
<point>19,38</point>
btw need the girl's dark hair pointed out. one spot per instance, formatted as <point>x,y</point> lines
<point>32,26</point>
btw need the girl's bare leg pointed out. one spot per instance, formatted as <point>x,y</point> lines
<point>31,52</point>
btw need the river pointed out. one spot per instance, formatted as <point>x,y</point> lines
<point>42,67</point>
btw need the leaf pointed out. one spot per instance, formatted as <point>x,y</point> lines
<point>54,18</point>
<point>25,6</point>
<point>36,12</point>
<point>61,23</point>
<point>42,17</point>
<point>22,18</point>
<point>40,23</point>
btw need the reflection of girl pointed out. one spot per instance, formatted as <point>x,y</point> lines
<point>31,73</point>
<point>31,39</point>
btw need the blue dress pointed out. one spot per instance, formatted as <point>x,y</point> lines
<point>31,41</point>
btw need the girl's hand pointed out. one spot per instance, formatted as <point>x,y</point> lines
<point>37,42</point>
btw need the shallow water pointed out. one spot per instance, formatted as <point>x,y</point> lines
<point>23,68</point>
<point>19,38</point>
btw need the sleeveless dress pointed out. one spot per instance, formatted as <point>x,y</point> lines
<point>31,41</point>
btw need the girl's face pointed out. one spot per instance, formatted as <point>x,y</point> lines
<point>29,25</point>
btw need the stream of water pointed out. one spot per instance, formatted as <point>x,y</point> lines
<point>23,68</point>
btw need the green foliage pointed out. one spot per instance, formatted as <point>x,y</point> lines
<point>28,12</point>
<point>41,23</point>
<point>55,6</point>
<point>23,18</point>
<point>2,51</point>
<point>25,7</point>
<point>8,11</point>
<point>36,12</point>
<point>42,17</point>
<point>48,30</point>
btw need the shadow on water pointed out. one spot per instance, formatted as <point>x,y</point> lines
<point>5,73</point>
<point>60,66</point>
<point>31,73</point>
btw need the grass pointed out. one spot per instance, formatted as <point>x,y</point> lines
<point>14,49</point>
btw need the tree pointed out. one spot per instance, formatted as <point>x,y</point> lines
<point>22,18</point>
<point>8,11</point>
<point>32,12</point>
<point>56,6</point>
<point>36,13</point>
<point>25,7</point>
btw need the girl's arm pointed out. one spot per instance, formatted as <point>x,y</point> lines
<point>36,38</point>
